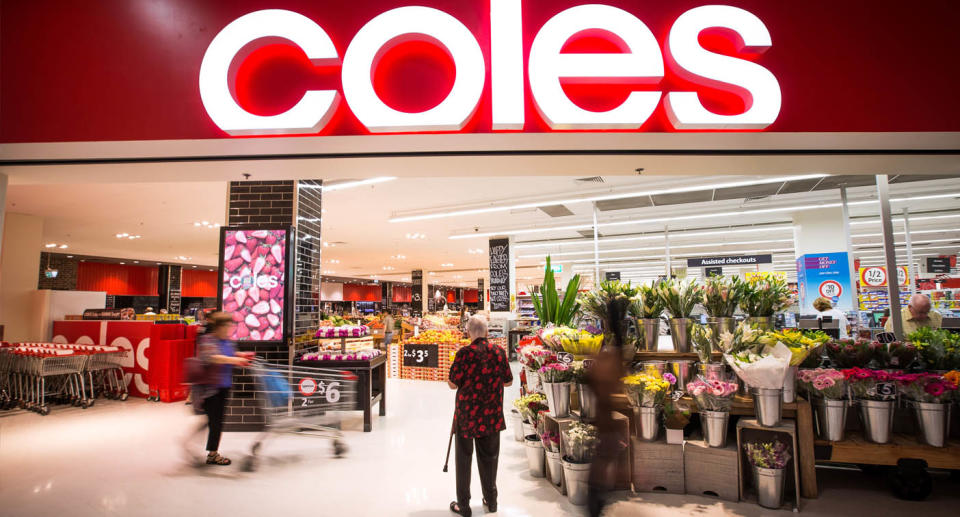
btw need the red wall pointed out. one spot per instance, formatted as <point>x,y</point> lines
<point>471,296</point>
<point>361,293</point>
<point>117,279</point>
<point>198,283</point>
<point>402,294</point>
<point>451,297</point>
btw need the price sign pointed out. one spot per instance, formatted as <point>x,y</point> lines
<point>830,288</point>
<point>875,276</point>
<point>588,363</point>
<point>887,390</point>
<point>886,337</point>
<point>565,357</point>
<point>424,356</point>
<point>308,387</point>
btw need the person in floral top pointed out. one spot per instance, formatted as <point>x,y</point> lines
<point>479,373</point>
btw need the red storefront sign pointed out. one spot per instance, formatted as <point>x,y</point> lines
<point>136,70</point>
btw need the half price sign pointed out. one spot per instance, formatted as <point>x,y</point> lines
<point>876,276</point>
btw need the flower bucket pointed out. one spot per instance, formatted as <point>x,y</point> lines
<point>680,329</point>
<point>535,459</point>
<point>877,419</point>
<point>683,370</point>
<point>649,334</point>
<point>660,367</point>
<point>648,423</point>
<point>764,323</point>
<point>713,371</point>
<point>526,428</point>
<point>577,476</point>
<point>769,486</point>
<point>831,418</point>
<point>714,424</point>
<point>933,422</point>
<point>554,467</point>
<point>516,422</point>
<point>768,405</point>
<point>720,325</point>
<point>533,381</point>
<point>675,436</point>
<point>588,402</point>
<point>790,385</point>
<point>558,398</point>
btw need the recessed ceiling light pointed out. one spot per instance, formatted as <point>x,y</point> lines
<point>69,256</point>
<point>63,246</point>
<point>136,261</point>
<point>123,263</point>
<point>51,245</point>
<point>416,235</point>
<point>198,224</point>
<point>447,264</point>
<point>193,266</point>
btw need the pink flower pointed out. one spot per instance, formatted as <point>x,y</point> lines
<point>818,383</point>
<point>934,388</point>
<point>827,382</point>
<point>669,378</point>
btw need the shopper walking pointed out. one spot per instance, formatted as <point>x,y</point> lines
<point>217,355</point>
<point>388,324</point>
<point>825,308</point>
<point>479,373</point>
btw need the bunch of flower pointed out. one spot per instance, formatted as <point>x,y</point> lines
<point>647,305</point>
<point>530,406</point>
<point>609,303</point>
<point>765,295</point>
<point>721,295</point>
<point>712,395</point>
<point>575,341</point>
<point>676,415</point>
<point>897,355</point>
<point>850,353</point>
<point>765,370</point>
<point>800,343</point>
<point>579,372</point>
<point>702,336</point>
<point>582,441</point>
<point>679,297</point>
<point>551,441</point>
<point>871,384</point>
<point>939,349</point>
<point>648,389</point>
<point>827,383</point>
<point>555,372</point>
<point>767,455</point>
<point>928,387</point>
<point>743,338</point>
<point>525,353</point>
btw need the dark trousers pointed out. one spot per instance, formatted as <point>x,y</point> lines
<point>488,453</point>
<point>215,406</point>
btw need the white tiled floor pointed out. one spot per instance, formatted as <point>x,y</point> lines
<point>125,459</point>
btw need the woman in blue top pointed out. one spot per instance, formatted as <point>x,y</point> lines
<point>216,349</point>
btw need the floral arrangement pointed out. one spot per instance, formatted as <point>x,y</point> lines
<point>675,414</point>
<point>679,297</point>
<point>712,395</point>
<point>928,387</point>
<point>530,406</point>
<point>579,372</point>
<point>555,372</point>
<point>648,389</point>
<point>743,338</point>
<point>850,353</point>
<point>702,336</point>
<point>361,355</point>
<point>801,344</point>
<point>765,295</point>
<point>547,303</point>
<point>871,384</point>
<point>766,370</point>
<point>897,355</point>
<point>610,303</point>
<point>343,331</point>
<point>767,455</point>
<point>582,441</point>
<point>575,341</point>
<point>535,356</point>
<point>826,383</point>
<point>647,304</point>
<point>551,441</point>
<point>939,349</point>
<point>721,295</point>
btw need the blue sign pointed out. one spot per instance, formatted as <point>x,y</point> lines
<point>826,275</point>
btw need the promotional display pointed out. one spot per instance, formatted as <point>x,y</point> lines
<point>499,275</point>
<point>826,275</point>
<point>876,276</point>
<point>253,285</point>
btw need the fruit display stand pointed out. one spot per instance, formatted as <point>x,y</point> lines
<point>345,345</point>
<point>749,430</point>
<point>371,383</point>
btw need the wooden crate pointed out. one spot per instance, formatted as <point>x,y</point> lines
<point>557,425</point>
<point>623,464</point>
<point>657,467</point>
<point>749,430</point>
<point>711,471</point>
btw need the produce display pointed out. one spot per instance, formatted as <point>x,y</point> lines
<point>344,331</point>
<point>438,337</point>
<point>361,355</point>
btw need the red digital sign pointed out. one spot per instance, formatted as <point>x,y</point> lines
<point>254,283</point>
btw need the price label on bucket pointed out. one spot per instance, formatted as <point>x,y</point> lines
<point>588,363</point>
<point>886,337</point>
<point>565,357</point>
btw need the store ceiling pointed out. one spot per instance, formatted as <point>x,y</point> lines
<point>88,216</point>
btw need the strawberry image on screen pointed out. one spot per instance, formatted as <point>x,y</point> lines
<point>254,282</point>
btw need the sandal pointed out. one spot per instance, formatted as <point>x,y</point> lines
<point>217,459</point>
<point>491,508</point>
<point>455,508</point>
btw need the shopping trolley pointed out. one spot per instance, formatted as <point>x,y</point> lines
<point>36,372</point>
<point>301,400</point>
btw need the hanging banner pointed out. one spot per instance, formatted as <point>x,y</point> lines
<point>876,276</point>
<point>824,275</point>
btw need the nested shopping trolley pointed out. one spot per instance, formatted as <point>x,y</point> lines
<point>302,400</point>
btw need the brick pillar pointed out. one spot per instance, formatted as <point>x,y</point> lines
<point>309,265</point>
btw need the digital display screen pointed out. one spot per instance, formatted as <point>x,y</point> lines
<point>253,282</point>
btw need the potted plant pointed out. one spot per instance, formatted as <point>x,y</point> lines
<point>679,299</point>
<point>586,397</point>
<point>581,442</point>
<point>721,297</point>
<point>827,389</point>
<point>551,447</point>
<point>875,392</point>
<point>547,304</point>
<point>610,304</point>
<point>646,393</point>
<point>556,379</point>
<point>676,416</point>
<point>763,297</point>
<point>713,398</point>
<point>769,461</point>
<point>646,309</point>
<point>931,396</point>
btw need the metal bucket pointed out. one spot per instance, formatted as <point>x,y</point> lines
<point>933,422</point>
<point>526,428</point>
<point>769,485</point>
<point>588,402</point>
<point>516,422</point>
<point>683,370</point>
<point>720,325</point>
<point>680,329</point>
<point>554,467</point>
<point>764,323</point>
<point>768,405</point>
<point>558,398</point>
<point>713,371</point>
<point>714,424</point>
<point>831,418</point>
<point>658,367</point>
<point>535,459</point>
<point>648,330</point>
<point>533,381</point>
<point>648,423</point>
<point>577,476</point>
<point>790,384</point>
<point>877,419</point>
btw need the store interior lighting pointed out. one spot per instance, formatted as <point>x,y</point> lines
<point>347,184</point>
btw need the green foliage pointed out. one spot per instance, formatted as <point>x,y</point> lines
<point>547,304</point>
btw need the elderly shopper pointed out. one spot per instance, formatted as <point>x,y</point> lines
<point>915,315</point>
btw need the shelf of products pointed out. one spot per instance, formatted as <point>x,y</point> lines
<point>878,299</point>
<point>944,298</point>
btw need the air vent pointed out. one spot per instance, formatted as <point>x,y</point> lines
<point>592,179</point>
<point>556,210</point>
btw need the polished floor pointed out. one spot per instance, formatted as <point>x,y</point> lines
<point>125,458</point>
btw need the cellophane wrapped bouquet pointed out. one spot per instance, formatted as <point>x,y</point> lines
<point>578,342</point>
<point>871,384</point>
<point>582,441</point>
<point>801,344</point>
<point>765,370</point>
<point>721,295</point>
<point>556,372</point>
<point>853,353</point>
<point>551,441</point>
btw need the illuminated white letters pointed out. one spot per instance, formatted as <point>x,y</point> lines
<point>684,109</point>
<point>640,62</point>
<point>405,24</point>
<point>506,64</point>
<point>217,82</point>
